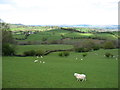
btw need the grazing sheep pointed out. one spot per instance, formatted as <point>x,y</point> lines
<point>41,56</point>
<point>43,62</point>
<point>36,61</point>
<point>40,62</point>
<point>81,59</point>
<point>80,77</point>
<point>116,58</point>
<point>37,56</point>
<point>76,58</point>
<point>113,56</point>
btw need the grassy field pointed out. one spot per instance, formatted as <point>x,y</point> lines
<point>22,48</point>
<point>57,72</point>
<point>55,34</point>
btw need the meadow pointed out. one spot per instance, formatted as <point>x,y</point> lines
<point>57,72</point>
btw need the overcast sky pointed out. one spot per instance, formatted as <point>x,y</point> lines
<point>37,12</point>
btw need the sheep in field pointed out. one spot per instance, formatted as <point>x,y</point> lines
<point>80,77</point>
<point>41,56</point>
<point>43,62</point>
<point>36,61</point>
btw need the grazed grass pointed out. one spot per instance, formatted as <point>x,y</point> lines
<point>57,72</point>
<point>22,48</point>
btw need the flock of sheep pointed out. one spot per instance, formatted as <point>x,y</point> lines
<point>77,75</point>
<point>35,61</point>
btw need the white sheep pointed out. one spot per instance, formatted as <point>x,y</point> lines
<point>41,56</point>
<point>80,77</point>
<point>43,62</point>
<point>40,62</point>
<point>37,56</point>
<point>36,61</point>
<point>76,58</point>
<point>81,59</point>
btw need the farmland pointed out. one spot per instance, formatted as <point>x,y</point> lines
<point>57,72</point>
<point>20,70</point>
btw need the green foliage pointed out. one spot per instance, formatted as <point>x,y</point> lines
<point>108,45</point>
<point>60,54</point>
<point>34,53</point>
<point>6,33</point>
<point>40,52</point>
<point>44,39</point>
<point>108,54</point>
<point>65,53</point>
<point>96,47</point>
<point>84,54</point>
<point>30,53</point>
<point>82,49</point>
<point>8,49</point>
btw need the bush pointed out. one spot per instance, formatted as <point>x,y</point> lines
<point>8,49</point>
<point>108,55</point>
<point>109,45</point>
<point>30,53</point>
<point>82,49</point>
<point>84,54</point>
<point>96,47</point>
<point>40,53</point>
<point>44,39</point>
<point>65,53</point>
<point>60,54</point>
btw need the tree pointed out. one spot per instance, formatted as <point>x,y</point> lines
<point>6,33</point>
<point>7,39</point>
<point>109,45</point>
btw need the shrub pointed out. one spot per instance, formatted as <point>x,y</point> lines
<point>96,47</point>
<point>65,53</point>
<point>108,45</point>
<point>44,39</point>
<point>79,49</point>
<point>30,53</point>
<point>82,49</point>
<point>40,53</point>
<point>108,55</point>
<point>8,49</point>
<point>60,54</point>
<point>84,54</point>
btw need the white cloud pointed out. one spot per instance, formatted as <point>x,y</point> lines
<point>60,11</point>
<point>4,7</point>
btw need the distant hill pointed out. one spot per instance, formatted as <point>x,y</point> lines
<point>86,26</point>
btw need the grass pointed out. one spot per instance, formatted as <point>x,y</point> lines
<point>57,72</point>
<point>22,48</point>
<point>55,34</point>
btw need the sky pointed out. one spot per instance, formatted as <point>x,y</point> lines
<point>59,12</point>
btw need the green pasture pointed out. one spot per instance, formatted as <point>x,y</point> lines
<point>21,48</point>
<point>57,72</point>
<point>56,34</point>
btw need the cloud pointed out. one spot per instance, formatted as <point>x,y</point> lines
<point>60,11</point>
<point>4,7</point>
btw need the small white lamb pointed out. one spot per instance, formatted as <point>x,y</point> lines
<point>80,77</point>
<point>41,56</point>
<point>36,61</point>
<point>43,62</point>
